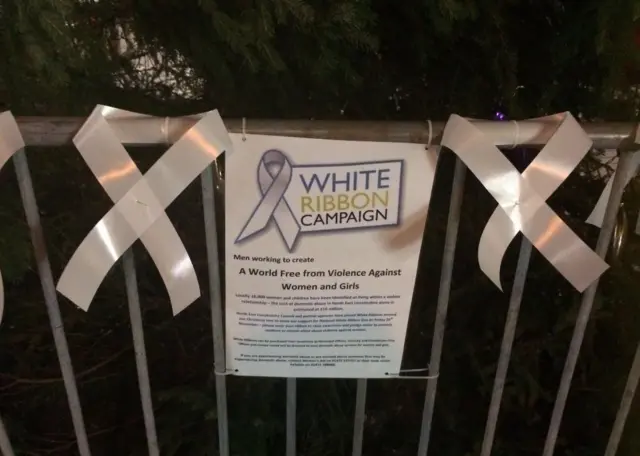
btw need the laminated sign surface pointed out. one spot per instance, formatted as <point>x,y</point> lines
<point>322,245</point>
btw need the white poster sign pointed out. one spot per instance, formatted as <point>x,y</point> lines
<point>322,246</point>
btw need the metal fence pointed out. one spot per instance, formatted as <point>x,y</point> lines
<point>59,131</point>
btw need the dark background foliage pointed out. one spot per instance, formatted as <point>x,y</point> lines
<point>338,59</point>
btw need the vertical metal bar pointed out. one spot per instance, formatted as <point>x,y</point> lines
<point>291,417</point>
<point>453,223</point>
<point>589,295</point>
<point>507,343</point>
<point>135,314</point>
<point>215,296</point>
<point>625,406</point>
<point>358,422</point>
<point>50,298</point>
<point>5,444</point>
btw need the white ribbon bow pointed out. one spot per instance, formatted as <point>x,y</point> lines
<point>10,142</point>
<point>140,203</point>
<point>522,199</point>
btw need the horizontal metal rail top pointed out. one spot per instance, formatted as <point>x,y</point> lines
<point>57,131</point>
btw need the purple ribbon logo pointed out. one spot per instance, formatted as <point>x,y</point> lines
<point>274,176</point>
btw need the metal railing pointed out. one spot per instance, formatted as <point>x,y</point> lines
<point>59,131</point>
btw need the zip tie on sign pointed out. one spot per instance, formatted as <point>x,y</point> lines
<point>413,377</point>
<point>165,130</point>
<point>430,124</point>
<point>516,137</point>
<point>244,128</point>
<point>226,372</point>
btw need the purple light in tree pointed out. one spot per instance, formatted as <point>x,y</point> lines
<point>499,115</point>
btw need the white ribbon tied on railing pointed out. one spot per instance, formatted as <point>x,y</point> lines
<point>597,216</point>
<point>10,142</point>
<point>140,204</point>
<point>274,175</point>
<point>522,199</point>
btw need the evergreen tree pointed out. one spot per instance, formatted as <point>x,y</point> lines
<point>305,58</point>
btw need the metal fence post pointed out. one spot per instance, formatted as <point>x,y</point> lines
<point>137,331</point>
<point>625,405</point>
<point>507,343</point>
<point>5,443</point>
<point>51,298</point>
<point>215,297</point>
<point>291,417</point>
<point>451,239</point>
<point>585,307</point>
<point>359,419</point>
